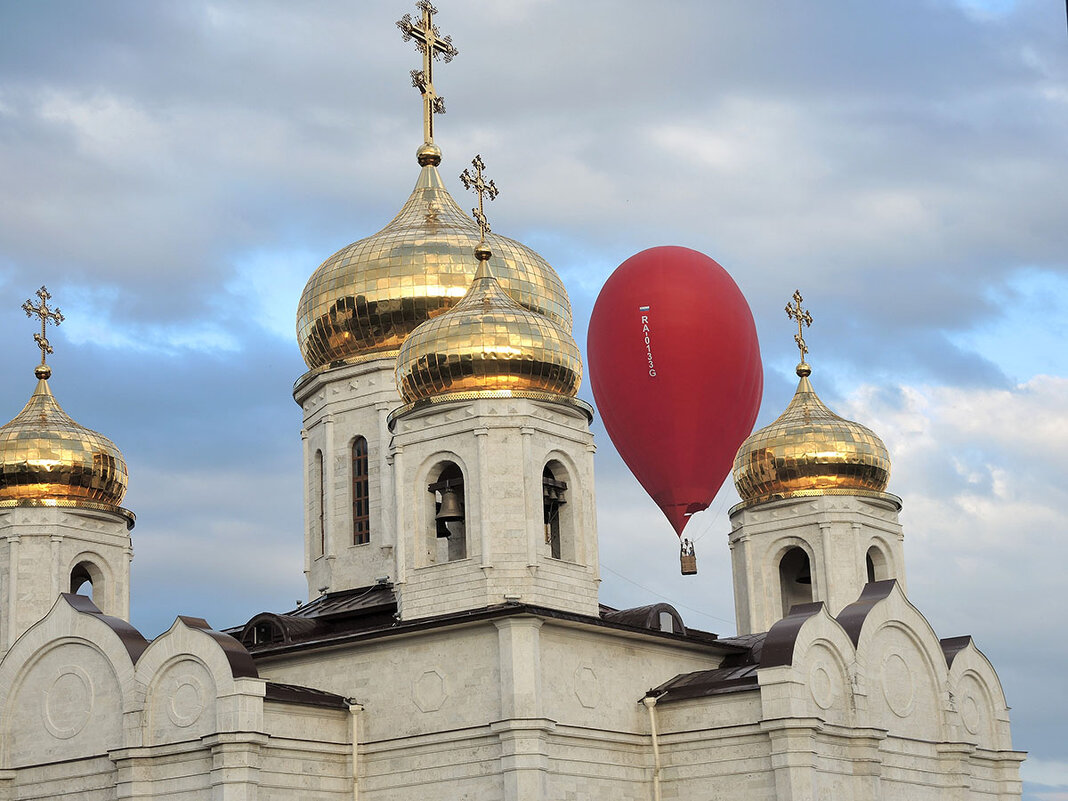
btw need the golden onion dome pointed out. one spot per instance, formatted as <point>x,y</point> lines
<point>810,450</point>
<point>488,343</point>
<point>46,457</point>
<point>368,297</point>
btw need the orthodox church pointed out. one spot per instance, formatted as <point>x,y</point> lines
<point>453,646</point>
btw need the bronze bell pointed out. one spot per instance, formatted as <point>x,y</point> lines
<point>805,577</point>
<point>449,510</point>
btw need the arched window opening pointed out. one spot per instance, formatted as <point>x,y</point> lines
<point>318,520</point>
<point>266,631</point>
<point>795,579</point>
<point>667,622</point>
<point>361,502</point>
<point>553,496</point>
<point>877,565</point>
<point>82,579</point>
<point>450,530</point>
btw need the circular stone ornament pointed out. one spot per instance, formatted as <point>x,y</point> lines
<point>898,685</point>
<point>68,703</point>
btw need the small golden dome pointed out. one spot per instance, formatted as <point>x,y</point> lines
<point>809,450</point>
<point>488,343</point>
<point>46,456</point>
<point>366,298</point>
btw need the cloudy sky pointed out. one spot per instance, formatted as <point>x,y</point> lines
<point>174,172</point>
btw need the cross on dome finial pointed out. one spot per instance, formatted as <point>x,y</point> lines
<point>483,188</point>
<point>46,315</point>
<point>429,42</point>
<point>803,318</point>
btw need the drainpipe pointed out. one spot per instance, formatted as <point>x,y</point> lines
<point>650,704</point>
<point>355,709</point>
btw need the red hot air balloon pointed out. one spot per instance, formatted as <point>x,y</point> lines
<point>675,368</point>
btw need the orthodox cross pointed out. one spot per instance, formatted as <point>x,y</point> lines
<point>795,312</point>
<point>483,188</point>
<point>429,42</point>
<point>47,315</point>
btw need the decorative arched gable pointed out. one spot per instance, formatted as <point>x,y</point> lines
<point>195,681</point>
<point>806,668</point>
<point>901,670</point>
<point>66,683</point>
<point>979,713</point>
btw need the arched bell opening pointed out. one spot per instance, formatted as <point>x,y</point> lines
<point>556,513</point>
<point>877,565</point>
<point>447,541</point>
<point>795,579</point>
<point>87,579</point>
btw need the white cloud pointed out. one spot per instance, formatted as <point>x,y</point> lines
<point>105,126</point>
<point>1047,772</point>
<point>94,316</point>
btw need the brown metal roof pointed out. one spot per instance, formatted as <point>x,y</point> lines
<point>736,673</point>
<point>305,696</point>
<point>368,613</point>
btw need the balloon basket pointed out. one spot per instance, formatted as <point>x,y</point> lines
<point>688,559</point>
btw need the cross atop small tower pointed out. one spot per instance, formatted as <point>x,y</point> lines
<point>803,318</point>
<point>483,188</point>
<point>47,315</point>
<point>429,42</point>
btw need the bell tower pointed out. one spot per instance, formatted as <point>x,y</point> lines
<point>61,526</point>
<point>356,311</point>
<point>492,455</point>
<point>815,522</point>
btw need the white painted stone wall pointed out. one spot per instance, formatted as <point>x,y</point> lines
<point>513,708</point>
<point>502,446</point>
<point>87,711</point>
<point>518,708</point>
<point>340,404</point>
<point>536,708</point>
<point>40,546</point>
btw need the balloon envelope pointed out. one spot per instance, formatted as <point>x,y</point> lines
<point>675,369</point>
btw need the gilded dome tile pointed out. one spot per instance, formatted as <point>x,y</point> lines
<point>488,343</point>
<point>369,296</point>
<point>810,450</point>
<point>46,456</point>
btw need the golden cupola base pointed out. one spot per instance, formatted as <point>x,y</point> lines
<point>810,450</point>
<point>363,301</point>
<point>47,459</point>
<point>488,344</point>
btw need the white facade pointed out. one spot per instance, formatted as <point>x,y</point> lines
<point>513,705</point>
<point>479,665</point>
